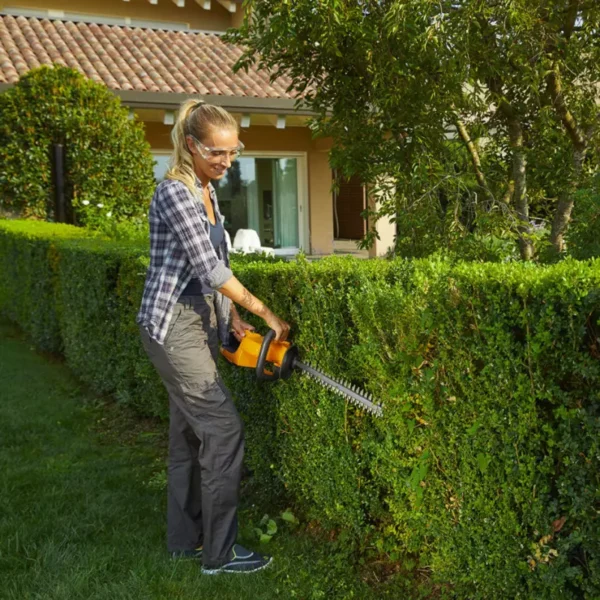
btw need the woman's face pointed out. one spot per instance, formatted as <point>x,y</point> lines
<point>213,155</point>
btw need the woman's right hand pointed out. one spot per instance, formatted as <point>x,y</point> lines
<point>234,290</point>
<point>279,326</point>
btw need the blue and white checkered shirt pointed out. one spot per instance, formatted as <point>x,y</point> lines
<point>180,248</point>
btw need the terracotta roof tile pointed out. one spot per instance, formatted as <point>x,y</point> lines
<point>125,58</point>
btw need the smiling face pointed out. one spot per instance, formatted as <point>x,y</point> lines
<point>212,163</point>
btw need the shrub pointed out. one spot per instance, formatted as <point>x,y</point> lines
<point>109,166</point>
<point>484,470</point>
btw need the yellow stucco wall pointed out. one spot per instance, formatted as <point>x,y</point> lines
<point>293,139</point>
<point>385,227</point>
<point>321,203</point>
<point>216,19</point>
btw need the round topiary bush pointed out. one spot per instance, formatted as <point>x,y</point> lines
<point>108,164</point>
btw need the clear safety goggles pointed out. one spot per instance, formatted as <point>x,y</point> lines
<point>215,155</point>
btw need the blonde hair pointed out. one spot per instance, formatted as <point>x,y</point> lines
<point>194,118</point>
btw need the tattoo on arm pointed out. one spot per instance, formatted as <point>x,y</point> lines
<point>247,298</point>
<point>234,290</point>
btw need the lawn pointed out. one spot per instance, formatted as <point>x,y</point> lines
<point>82,505</point>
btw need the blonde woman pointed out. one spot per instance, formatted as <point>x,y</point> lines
<point>186,307</point>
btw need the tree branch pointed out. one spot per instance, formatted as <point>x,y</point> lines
<point>510,192</point>
<point>572,12</point>
<point>475,160</point>
<point>562,110</point>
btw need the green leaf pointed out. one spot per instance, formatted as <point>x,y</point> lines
<point>271,527</point>
<point>473,429</point>
<point>483,460</point>
<point>288,516</point>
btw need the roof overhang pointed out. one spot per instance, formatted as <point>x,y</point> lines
<point>170,101</point>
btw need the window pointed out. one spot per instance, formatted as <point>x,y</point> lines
<point>161,164</point>
<point>262,194</point>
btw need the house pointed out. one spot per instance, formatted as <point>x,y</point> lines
<point>155,53</point>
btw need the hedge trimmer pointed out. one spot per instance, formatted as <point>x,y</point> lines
<point>255,352</point>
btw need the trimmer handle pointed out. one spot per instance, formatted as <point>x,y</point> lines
<point>261,374</point>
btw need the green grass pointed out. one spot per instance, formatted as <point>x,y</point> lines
<point>82,505</point>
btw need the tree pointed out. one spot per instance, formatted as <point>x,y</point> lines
<point>109,166</point>
<point>481,107</point>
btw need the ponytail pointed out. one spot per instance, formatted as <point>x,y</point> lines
<point>194,118</point>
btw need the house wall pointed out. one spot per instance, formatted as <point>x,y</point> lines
<point>293,139</point>
<point>237,18</point>
<point>385,227</point>
<point>321,202</point>
<point>192,15</point>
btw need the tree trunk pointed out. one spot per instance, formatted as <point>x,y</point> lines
<point>562,216</point>
<point>519,168</point>
<point>579,140</point>
<point>519,176</point>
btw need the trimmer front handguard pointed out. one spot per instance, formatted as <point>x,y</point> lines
<point>254,351</point>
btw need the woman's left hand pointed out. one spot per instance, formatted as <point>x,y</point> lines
<point>240,327</point>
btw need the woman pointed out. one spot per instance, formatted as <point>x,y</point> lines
<point>186,307</point>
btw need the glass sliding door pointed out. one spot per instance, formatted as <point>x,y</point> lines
<point>285,182</point>
<point>262,194</point>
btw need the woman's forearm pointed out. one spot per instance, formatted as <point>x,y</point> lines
<point>235,291</point>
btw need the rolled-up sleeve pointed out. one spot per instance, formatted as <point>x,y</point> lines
<point>181,212</point>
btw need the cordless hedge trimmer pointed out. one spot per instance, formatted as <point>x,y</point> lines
<point>255,352</point>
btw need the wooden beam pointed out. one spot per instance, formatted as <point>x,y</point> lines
<point>169,117</point>
<point>205,4</point>
<point>228,5</point>
<point>179,3</point>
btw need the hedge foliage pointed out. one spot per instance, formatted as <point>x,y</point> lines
<point>109,165</point>
<point>484,471</point>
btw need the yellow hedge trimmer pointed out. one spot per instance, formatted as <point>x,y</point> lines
<point>255,352</point>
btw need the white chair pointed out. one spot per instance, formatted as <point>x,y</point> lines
<point>227,240</point>
<point>247,241</point>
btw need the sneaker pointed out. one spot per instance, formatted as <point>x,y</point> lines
<point>242,561</point>
<point>190,554</point>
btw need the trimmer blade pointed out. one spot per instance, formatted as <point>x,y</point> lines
<point>350,392</point>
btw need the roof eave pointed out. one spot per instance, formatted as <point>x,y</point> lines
<point>171,101</point>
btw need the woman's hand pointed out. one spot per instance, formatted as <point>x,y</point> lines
<point>239,327</point>
<point>235,291</point>
<point>279,326</point>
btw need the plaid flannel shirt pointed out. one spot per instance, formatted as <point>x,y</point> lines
<point>180,248</point>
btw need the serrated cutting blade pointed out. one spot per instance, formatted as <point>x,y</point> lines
<point>353,394</point>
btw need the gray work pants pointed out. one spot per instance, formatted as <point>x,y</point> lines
<point>206,440</point>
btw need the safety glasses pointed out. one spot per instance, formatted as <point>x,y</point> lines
<point>215,155</point>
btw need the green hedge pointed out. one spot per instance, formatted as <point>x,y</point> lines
<point>484,471</point>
